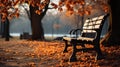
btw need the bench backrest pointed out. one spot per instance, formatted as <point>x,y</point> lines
<point>92,27</point>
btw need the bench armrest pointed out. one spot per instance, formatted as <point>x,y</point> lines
<point>71,31</point>
<point>76,30</point>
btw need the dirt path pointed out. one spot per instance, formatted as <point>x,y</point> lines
<point>22,53</point>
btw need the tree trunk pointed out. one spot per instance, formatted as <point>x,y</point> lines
<point>113,36</point>
<point>7,23</point>
<point>3,29</point>
<point>36,23</point>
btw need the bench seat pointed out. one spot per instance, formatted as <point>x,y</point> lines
<point>79,38</point>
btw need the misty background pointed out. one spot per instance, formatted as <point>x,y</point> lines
<point>53,23</point>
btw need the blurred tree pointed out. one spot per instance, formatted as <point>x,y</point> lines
<point>36,21</point>
<point>113,35</point>
<point>7,33</point>
<point>5,29</point>
<point>37,12</point>
<point>38,9</point>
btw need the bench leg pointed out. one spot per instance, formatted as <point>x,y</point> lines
<point>83,45</point>
<point>65,47</point>
<point>73,56</point>
<point>99,53</point>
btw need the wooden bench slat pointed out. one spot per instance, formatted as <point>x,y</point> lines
<point>94,19</point>
<point>88,30</point>
<point>85,38</point>
<point>92,27</point>
<point>101,17</point>
<point>67,38</point>
<point>79,38</point>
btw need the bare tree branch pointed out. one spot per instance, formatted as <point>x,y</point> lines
<point>27,11</point>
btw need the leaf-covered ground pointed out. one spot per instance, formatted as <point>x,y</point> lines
<point>22,53</point>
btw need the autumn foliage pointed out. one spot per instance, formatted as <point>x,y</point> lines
<point>81,7</point>
<point>8,7</point>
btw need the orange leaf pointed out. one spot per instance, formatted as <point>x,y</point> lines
<point>54,5</point>
<point>87,12</point>
<point>38,12</point>
<point>60,9</point>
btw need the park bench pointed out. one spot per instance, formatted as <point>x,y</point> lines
<point>25,35</point>
<point>90,34</point>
